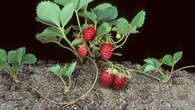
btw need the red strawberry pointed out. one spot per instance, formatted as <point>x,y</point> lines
<point>89,33</point>
<point>82,50</point>
<point>106,51</point>
<point>119,81</point>
<point>106,78</point>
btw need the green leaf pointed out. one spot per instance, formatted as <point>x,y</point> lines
<point>20,52</point>
<point>65,2</point>
<point>3,56</point>
<point>89,15</point>
<point>138,20</point>
<point>29,59</point>
<point>123,27</point>
<point>45,22</point>
<point>76,42</point>
<point>48,35</point>
<point>148,68</point>
<point>55,69</point>
<point>49,12</point>
<point>167,60</point>
<point>70,69</point>
<point>105,12</point>
<point>103,29</point>
<point>177,56</point>
<point>11,57</point>
<point>84,26</point>
<point>66,13</point>
<point>3,65</point>
<point>83,3</point>
<point>153,61</point>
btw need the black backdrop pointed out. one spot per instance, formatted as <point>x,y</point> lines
<point>169,27</point>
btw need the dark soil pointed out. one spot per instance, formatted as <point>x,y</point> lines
<point>139,93</point>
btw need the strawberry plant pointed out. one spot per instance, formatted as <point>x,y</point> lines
<point>60,72</point>
<point>14,60</point>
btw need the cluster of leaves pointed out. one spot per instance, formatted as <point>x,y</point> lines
<point>103,17</point>
<point>14,60</point>
<point>156,64</point>
<point>65,71</point>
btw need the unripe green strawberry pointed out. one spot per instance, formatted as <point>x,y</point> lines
<point>106,78</point>
<point>89,33</point>
<point>106,51</point>
<point>82,50</point>
<point>119,81</point>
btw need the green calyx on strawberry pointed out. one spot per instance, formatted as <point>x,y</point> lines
<point>89,33</point>
<point>106,78</point>
<point>82,50</point>
<point>106,51</point>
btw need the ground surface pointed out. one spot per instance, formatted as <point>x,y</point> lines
<point>139,93</point>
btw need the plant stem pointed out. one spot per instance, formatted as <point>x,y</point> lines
<point>85,12</point>
<point>146,74</point>
<point>70,82</point>
<point>122,42</point>
<point>70,44</point>
<point>78,21</point>
<point>185,67</point>
<point>89,50</point>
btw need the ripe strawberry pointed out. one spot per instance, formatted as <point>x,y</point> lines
<point>89,33</point>
<point>106,78</point>
<point>119,81</point>
<point>82,50</point>
<point>106,51</point>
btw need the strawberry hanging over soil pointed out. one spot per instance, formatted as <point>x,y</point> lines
<point>106,78</point>
<point>119,81</point>
<point>89,33</point>
<point>82,50</point>
<point>106,51</point>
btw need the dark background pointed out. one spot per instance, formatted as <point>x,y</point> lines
<point>169,27</point>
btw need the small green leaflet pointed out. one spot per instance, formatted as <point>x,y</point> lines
<point>66,13</point>
<point>168,60</point>
<point>49,12</point>
<point>123,27</point>
<point>55,70</point>
<point>148,68</point>
<point>177,56</point>
<point>29,59</point>
<point>89,15</point>
<point>3,56</point>
<point>71,69</point>
<point>83,3</point>
<point>153,61</point>
<point>138,20</point>
<point>103,29</point>
<point>11,57</point>
<point>105,12</point>
<point>48,35</point>
<point>20,52</point>
<point>46,22</point>
<point>76,42</point>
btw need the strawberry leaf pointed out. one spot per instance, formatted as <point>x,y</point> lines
<point>11,57</point>
<point>55,70</point>
<point>3,56</point>
<point>177,56</point>
<point>105,12</point>
<point>83,3</point>
<point>66,13</point>
<point>168,60</point>
<point>29,59</point>
<point>76,42</point>
<point>48,35</point>
<point>148,68</point>
<point>103,29</point>
<point>49,12</point>
<point>89,15</point>
<point>123,27</point>
<point>138,20</point>
<point>20,52</point>
<point>153,61</point>
<point>70,70</point>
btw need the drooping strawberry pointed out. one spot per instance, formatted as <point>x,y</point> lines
<point>82,50</point>
<point>119,81</point>
<point>89,33</point>
<point>106,78</point>
<point>106,51</point>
